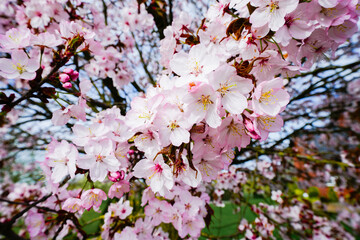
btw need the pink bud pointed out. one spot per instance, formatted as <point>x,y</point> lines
<point>74,75</point>
<point>251,131</point>
<point>64,78</point>
<point>67,85</point>
<point>116,176</point>
<point>131,152</point>
<point>68,71</point>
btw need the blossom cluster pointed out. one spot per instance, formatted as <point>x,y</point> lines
<point>223,86</point>
<point>220,93</point>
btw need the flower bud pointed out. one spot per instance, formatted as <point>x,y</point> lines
<point>74,75</point>
<point>116,176</point>
<point>68,71</point>
<point>250,128</point>
<point>67,85</point>
<point>64,78</point>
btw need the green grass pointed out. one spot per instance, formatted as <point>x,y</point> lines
<point>226,220</point>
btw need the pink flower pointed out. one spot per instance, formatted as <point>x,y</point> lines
<point>119,130</point>
<point>296,25</point>
<point>99,159</point>
<point>69,29</point>
<point>208,163</point>
<point>157,174</point>
<point>73,205</point>
<point>192,226</point>
<point>186,174</point>
<point>271,12</point>
<point>15,38</point>
<point>118,189</point>
<point>85,86</point>
<point>35,223</point>
<point>38,14</point>
<point>63,161</point>
<point>243,225</point>
<point>92,198</point>
<point>266,124</point>
<point>74,75</point>
<point>232,133</point>
<point>85,134</point>
<point>62,116</point>
<point>331,16</point>
<point>46,39</point>
<point>231,88</point>
<point>188,204</point>
<point>173,126</point>
<point>270,98</point>
<point>148,142</point>
<point>123,209</point>
<point>143,111</point>
<point>20,66</point>
<point>197,62</point>
<point>276,196</point>
<point>251,130</point>
<point>313,47</point>
<point>342,32</point>
<point>268,65</point>
<point>202,102</point>
<point>159,211</point>
<point>247,47</point>
<point>126,233</point>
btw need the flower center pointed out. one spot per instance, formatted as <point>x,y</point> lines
<point>173,125</point>
<point>100,158</point>
<point>20,68</point>
<point>157,169</point>
<point>146,115</point>
<point>273,6</point>
<point>196,68</point>
<point>224,88</point>
<point>205,101</point>
<point>268,97</point>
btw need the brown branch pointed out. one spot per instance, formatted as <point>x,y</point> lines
<point>6,227</point>
<point>143,63</point>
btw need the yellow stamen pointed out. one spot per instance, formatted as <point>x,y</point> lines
<point>205,101</point>
<point>273,6</point>
<point>20,68</point>
<point>268,97</point>
<point>224,88</point>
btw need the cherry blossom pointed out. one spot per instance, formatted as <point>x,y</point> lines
<point>270,98</point>
<point>197,62</point>
<point>20,66</point>
<point>174,128</point>
<point>73,205</point>
<point>271,12</point>
<point>16,38</point>
<point>231,88</point>
<point>92,198</point>
<point>118,189</point>
<point>36,224</point>
<point>176,134</point>
<point>99,159</point>
<point>63,160</point>
<point>157,174</point>
<point>202,103</point>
